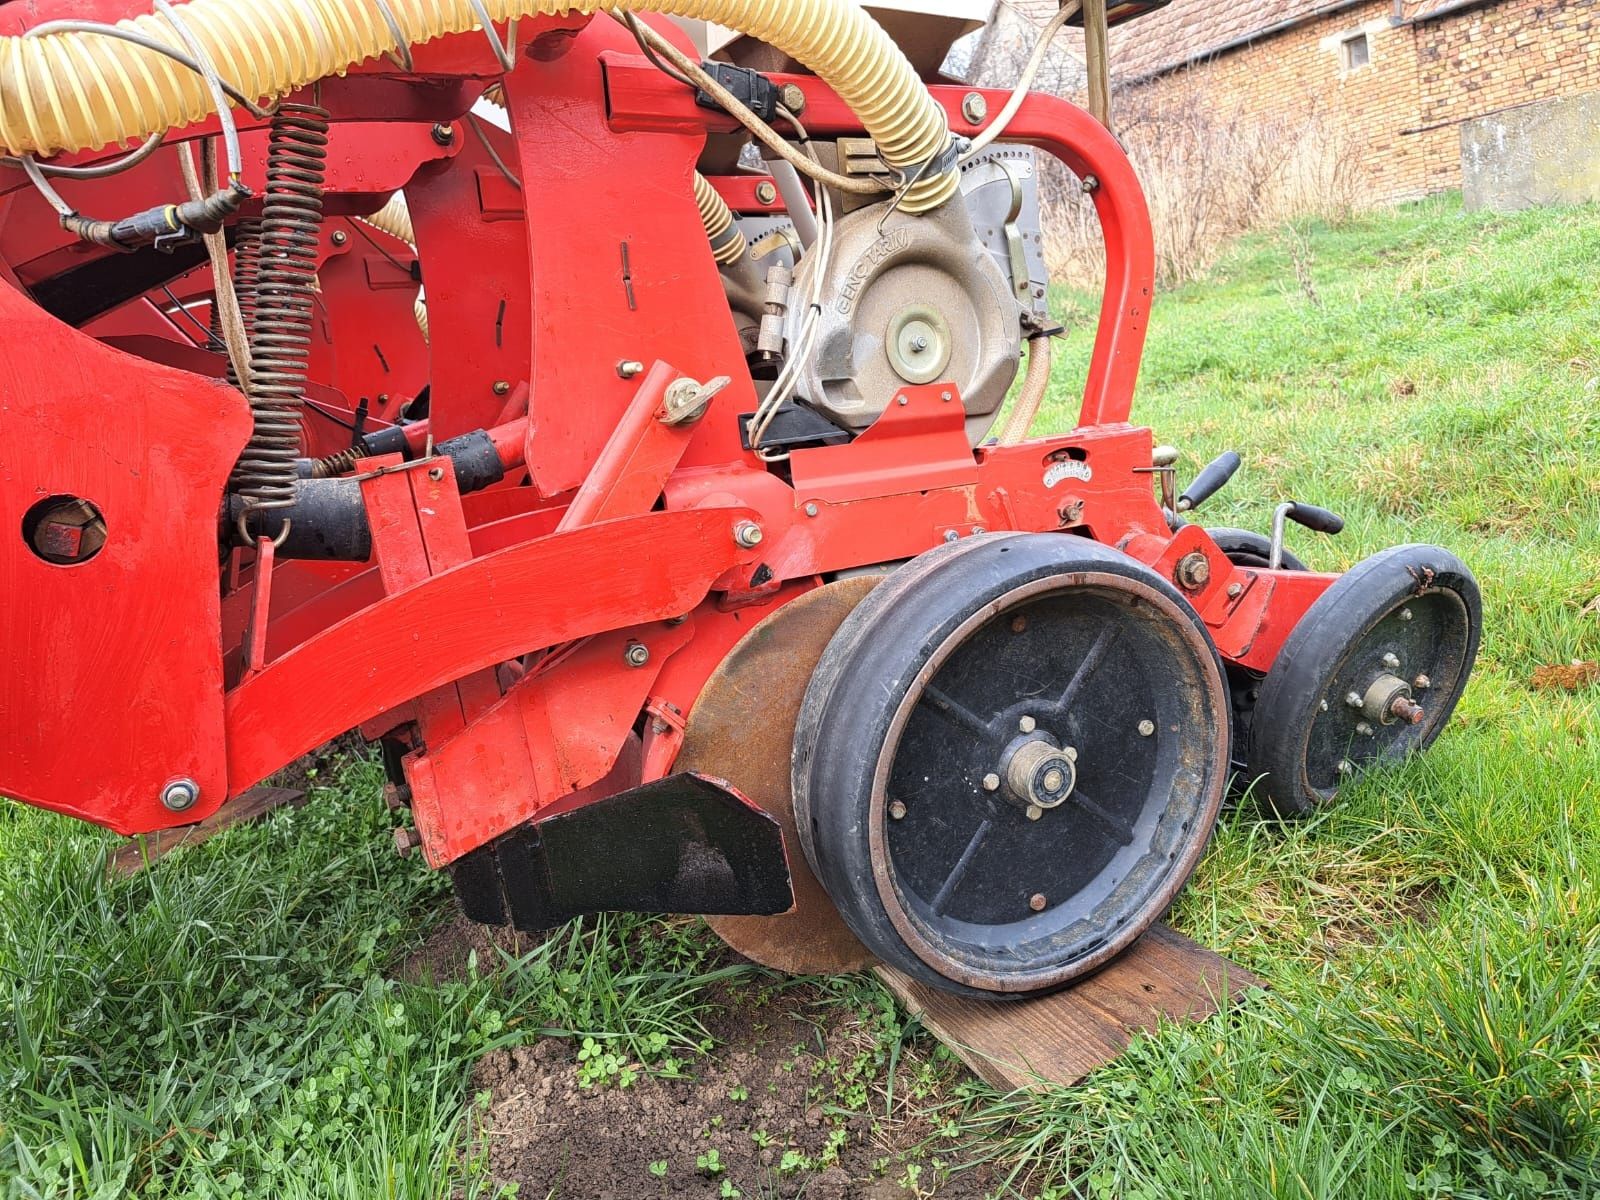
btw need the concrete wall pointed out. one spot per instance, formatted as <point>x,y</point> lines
<point>1545,153</point>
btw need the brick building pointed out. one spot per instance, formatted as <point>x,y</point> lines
<point>1401,76</point>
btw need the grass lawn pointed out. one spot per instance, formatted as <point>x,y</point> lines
<point>230,1022</point>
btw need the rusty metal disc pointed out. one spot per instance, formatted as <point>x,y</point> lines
<point>742,730</point>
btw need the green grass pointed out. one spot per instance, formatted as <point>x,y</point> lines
<point>226,1024</point>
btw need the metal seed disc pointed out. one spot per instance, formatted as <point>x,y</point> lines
<point>742,730</point>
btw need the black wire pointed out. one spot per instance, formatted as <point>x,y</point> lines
<point>323,411</point>
<point>212,341</point>
<point>378,246</point>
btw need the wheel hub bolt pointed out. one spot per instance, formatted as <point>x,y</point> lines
<point>1037,902</point>
<point>1364,729</point>
<point>1405,614</point>
<point>1146,728</point>
<point>1422,683</point>
<point>1391,662</point>
<point>1353,699</point>
<point>991,782</point>
<point>1034,812</point>
<point>1406,709</point>
<point>1019,624</point>
<point>897,811</point>
<point>1346,767</point>
<point>1027,724</point>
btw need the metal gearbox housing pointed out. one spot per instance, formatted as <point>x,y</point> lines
<point>907,301</point>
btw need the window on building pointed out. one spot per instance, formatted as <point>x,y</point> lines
<point>1355,52</point>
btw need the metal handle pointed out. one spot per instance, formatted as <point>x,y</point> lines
<point>1319,520</point>
<point>1211,480</point>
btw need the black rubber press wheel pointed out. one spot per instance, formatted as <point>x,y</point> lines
<point>1370,674</point>
<point>1010,759</point>
<point>1246,548</point>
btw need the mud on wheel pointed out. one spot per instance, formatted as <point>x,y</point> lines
<point>1009,761</point>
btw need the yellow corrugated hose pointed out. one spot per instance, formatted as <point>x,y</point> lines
<point>75,90</point>
<point>728,244</point>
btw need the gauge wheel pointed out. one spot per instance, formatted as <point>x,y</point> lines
<point>1246,548</point>
<point>1370,675</point>
<point>1009,761</point>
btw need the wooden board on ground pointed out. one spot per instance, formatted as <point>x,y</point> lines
<point>1060,1038</point>
<point>249,806</point>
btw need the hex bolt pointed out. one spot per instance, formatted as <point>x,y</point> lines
<point>1346,767</point>
<point>947,396</point>
<point>1391,662</point>
<point>1235,590</point>
<point>1322,706</point>
<point>1353,699</point>
<point>1146,728</point>
<point>1072,753</point>
<point>1364,729</point>
<point>902,401</point>
<point>1091,185</point>
<point>991,782</point>
<point>444,133</point>
<point>1422,683</point>
<point>636,655</point>
<point>396,796</point>
<point>793,97</point>
<point>950,535</point>
<point>340,237</point>
<point>406,840</point>
<point>1019,624</point>
<point>630,368</point>
<point>1194,572</point>
<point>812,510</point>
<point>897,811</point>
<point>1027,724</point>
<point>1406,614</point>
<point>975,108</point>
<point>181,795</point>
<point>1034,812</point>
<point>748,534</point>
<point>767,192</point>
<point>1037,902</point>
<point>977,529</point>
<point>501,387</point>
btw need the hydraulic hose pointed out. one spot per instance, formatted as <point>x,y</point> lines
<point>76,90</point>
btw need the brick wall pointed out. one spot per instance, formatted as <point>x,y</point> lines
<point>1400,114</point>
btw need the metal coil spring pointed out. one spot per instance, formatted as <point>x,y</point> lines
<point>246,279</point>
<point>335,465</point>
<point>281,305</point>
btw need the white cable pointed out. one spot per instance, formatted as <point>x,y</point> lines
<point>1030,72</point>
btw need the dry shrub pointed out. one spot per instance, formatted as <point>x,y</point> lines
<point>1209,175</point>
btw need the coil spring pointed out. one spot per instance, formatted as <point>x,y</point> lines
<point>280,305</point>
<point>246,279</point>
<point>335,465</point>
